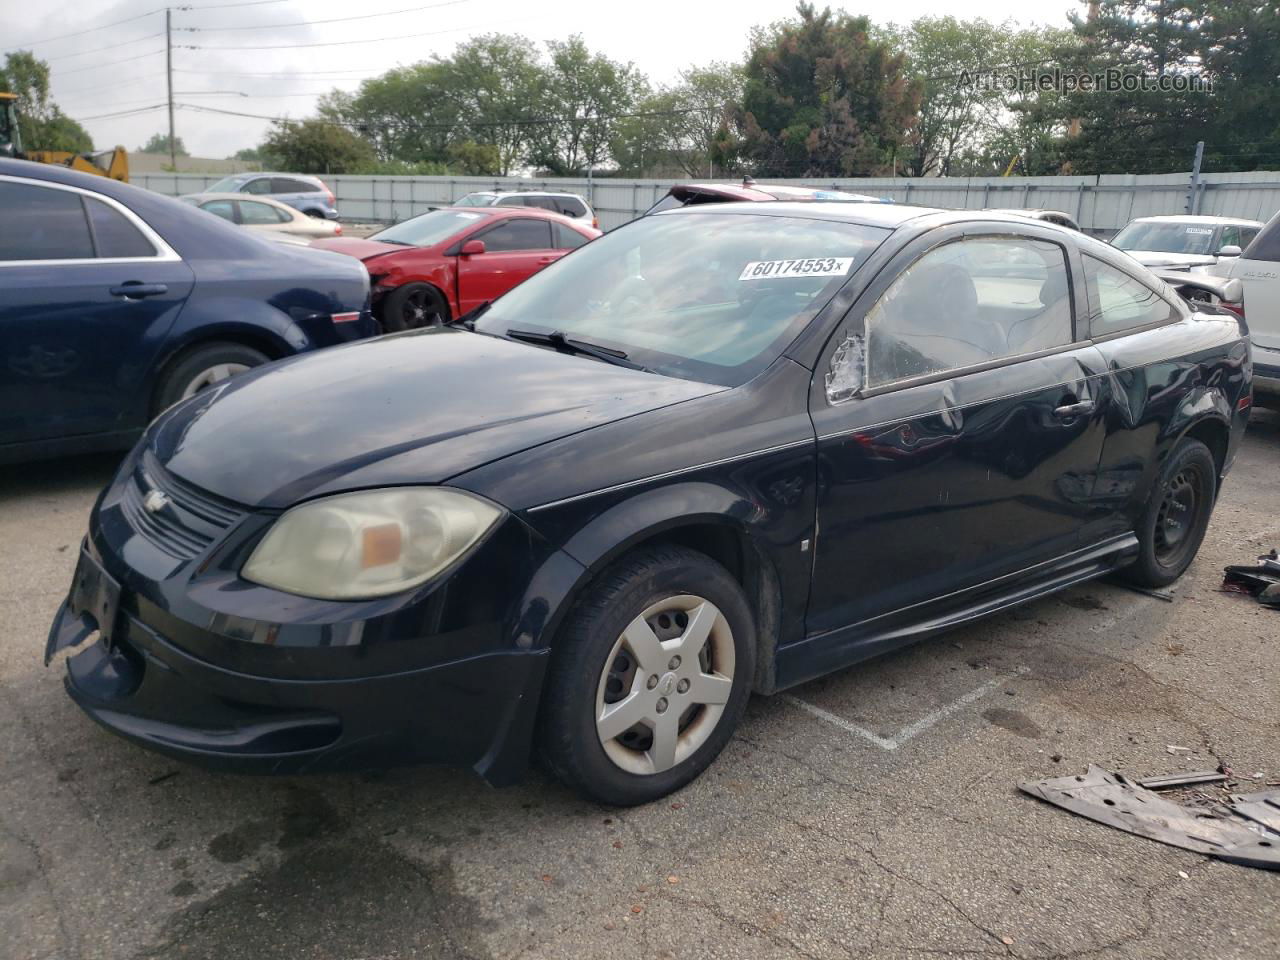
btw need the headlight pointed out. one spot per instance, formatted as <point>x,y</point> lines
<point>369,544</point>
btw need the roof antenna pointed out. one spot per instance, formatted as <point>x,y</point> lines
<point>748,181</point>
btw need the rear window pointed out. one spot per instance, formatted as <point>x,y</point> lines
<point>288,185</point>
<point>430,228</point>
<point>669,202</point>
<point>114,235</point>
<point>572,206</point>
<point>1266,245</point>
<point>476,200</point>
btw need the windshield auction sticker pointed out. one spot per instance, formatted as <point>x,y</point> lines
<point>813,267</point>
<point>1200,231</point>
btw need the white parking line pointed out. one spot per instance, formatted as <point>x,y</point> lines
<point>911,731</point>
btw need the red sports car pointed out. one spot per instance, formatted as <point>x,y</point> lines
<point>440,265</point>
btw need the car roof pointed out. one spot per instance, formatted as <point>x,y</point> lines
<point>866,214</point>
<point>247,174</point>
<point>537,212</point>
<point>1190,218</point>
<point>240,197</point>
<point>525,193</point>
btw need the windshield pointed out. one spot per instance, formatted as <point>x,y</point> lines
<point>226,185</point>
<point>702,296</point>
<point>1166,237</point>
<point>476,200</point>
<point>429,228</point>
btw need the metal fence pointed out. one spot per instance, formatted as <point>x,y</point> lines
<point>1100,204</point>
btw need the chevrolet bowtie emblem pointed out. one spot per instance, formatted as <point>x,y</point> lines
<point>155,501</point>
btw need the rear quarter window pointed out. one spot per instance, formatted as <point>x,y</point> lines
<point>572,207</point>
<point>114,235</point>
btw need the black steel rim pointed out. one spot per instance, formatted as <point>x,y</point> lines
<point>420,310</point>
<point>1177,516</point>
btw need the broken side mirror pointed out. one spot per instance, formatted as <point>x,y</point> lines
<point>848,369</point>
<point>471,248</point>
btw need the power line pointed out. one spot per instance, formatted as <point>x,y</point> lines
<point>97,87</point>
<point>99,66</point>
<point>321,73</point>
<point>122,43</point>
<point>331,43</point>
<point>122,113</point>
<point>81,33</point>
<point>400,125</point>
<point>312,23</point>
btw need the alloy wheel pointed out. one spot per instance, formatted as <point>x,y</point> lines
<point>215,374</point>
<point>665,684</point>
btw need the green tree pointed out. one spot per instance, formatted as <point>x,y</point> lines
<point>584,95</point>
<point>159,143</point>
<point>498,82</point>
<point>1153,130</point>
<point>823,98</point>
<point>676,130</point>
<point>318,146</point>
<point>407,114</point>
<point>41,124</point>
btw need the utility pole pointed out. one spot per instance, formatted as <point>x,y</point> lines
<point>1193,194</point>
<point>168,69</point>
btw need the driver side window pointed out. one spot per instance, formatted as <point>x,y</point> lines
<point>966,303</point>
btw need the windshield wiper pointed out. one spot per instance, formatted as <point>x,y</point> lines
<point>468,319</point>
<point>557,339</point>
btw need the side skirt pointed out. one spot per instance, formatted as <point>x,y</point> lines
<point>821,654</point>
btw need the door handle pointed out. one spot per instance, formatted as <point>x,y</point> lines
<point>1072,410</point>
<point>136,290</point>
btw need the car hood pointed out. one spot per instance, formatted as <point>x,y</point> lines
<point>412,408</point>
<point>358,247</point>
<point>1154,258</point>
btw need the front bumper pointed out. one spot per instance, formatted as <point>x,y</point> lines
<point>202,665</point>
<point>147,690</point>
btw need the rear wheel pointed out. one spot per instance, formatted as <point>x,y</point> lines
<point>1176,517</point>
<point>649,678</point>
<point>203,367</point>
<point>412,306</point>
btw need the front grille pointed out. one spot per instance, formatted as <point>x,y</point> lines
<point>191,520</point>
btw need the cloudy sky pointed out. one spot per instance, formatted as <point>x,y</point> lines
<point>110,67</point>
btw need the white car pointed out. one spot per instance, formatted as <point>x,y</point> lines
<point>1186,242</point>
<point>1258,270</point>
<point>565,204</point>
<point>264,215</point>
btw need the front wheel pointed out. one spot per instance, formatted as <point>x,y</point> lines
<point>1176,517</point>
<point>412,306</point>
<point>649,678</point>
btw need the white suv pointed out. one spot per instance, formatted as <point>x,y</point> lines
<point>1258,270</point>
<point>566,204</point>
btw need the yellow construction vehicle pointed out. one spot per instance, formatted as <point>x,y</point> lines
<point>107,163</point>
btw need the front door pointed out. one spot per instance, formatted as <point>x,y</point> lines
<point>959,429</point>
<point>514,250</point>
<point>86,297</point>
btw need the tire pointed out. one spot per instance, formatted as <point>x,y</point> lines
<point>202,367</point>
<point>413,306</point>
<point>596,682</point>
<point>1176,517</point>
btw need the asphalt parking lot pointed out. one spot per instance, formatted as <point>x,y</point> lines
<point>872,813</point>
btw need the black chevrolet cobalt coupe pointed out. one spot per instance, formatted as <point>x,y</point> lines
<point>721,450</point>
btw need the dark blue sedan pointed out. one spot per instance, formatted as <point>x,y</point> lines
<point>116,303</point>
